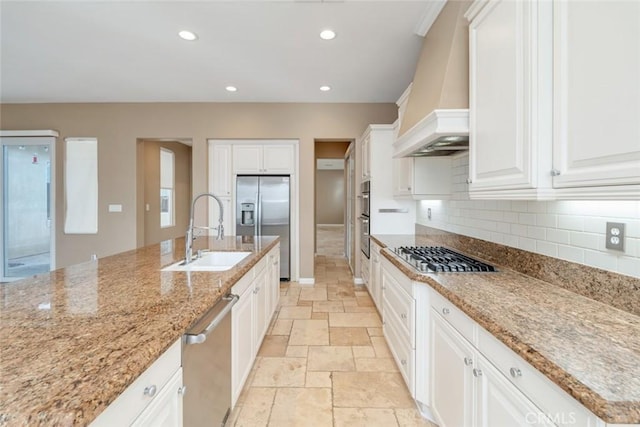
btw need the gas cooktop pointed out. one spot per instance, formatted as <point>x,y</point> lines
<point>431,259</point>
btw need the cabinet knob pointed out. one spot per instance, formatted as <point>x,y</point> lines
<point>182,390</point>
<point>150,390</point>
<point>477,372</point>
<point>469,181</point>
<point>403,362</point>
<point>555,172</point>
<point>446,311</point>
<point>468,361</point>
<point>256,290</point>
<point>403,316</point>
<point>409,188</point>
<point>515,372</point>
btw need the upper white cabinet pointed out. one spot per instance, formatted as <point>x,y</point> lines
<point>366,157</point>
<point>422,178</point>
<point>263,159</point>
<point>509,98</point>
<point>221,175</point>
<point>596,126</point>
<point>554,104</point>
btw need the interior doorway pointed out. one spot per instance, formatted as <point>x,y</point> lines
<point>330,197</point>
<point>164,189</point>
<point>27,210</point>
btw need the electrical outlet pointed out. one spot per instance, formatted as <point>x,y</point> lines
<point>615,236</point>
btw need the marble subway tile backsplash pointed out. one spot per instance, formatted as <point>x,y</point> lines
<point>569,230</point>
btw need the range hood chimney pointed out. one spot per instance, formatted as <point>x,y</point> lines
<point>436,119</point>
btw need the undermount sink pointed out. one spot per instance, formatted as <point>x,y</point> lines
<point>210,261</point>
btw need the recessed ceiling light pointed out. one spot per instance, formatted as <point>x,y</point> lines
<point>231,88</point>
<point>327,35</point>
<point>188,35</point>
<point>325,88</point>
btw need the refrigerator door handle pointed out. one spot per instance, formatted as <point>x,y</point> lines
<point>260,214</point>
<point>256,220</point>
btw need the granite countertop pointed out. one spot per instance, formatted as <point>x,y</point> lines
<point>73,340</point>
<point>589,349</point>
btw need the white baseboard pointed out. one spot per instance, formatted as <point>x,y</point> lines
<point>307,281</point>
<point>358,281</point>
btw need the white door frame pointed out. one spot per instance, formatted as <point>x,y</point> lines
<point>30,137</point>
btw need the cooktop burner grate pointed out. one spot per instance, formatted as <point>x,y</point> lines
<point>429,259</point>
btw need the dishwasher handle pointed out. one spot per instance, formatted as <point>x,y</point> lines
<point>202,336</point>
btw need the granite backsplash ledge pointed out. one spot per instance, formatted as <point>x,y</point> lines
<point>616,290</point>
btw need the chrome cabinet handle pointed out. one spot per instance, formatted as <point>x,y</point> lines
<point>403,362</point>
<point>150,390</point>
<point>468,361</point>
<point>182,390</point>
<point>446,311</point>
<point>256,290</point>
<point>555,172</point>
<point>477,373</point>
<point>515,372</point>
<point>403,316</point>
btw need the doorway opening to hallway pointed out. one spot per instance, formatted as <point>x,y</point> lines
<point>330,197</point>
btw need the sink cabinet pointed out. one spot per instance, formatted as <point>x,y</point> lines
<point>259,291</point>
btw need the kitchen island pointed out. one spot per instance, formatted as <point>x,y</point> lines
<point>588,348</point>
<point>73,340</point>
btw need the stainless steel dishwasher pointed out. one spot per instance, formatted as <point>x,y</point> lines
<point>206,367</point>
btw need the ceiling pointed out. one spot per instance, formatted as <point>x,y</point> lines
<point>129,51</point>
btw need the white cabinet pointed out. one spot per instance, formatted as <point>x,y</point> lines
<point>375,276</point>
<point>509,95</point>
<point>546,119</point>
<point>154,398</point>
<point>596,126</point>
<point>365,148</point>
<point>398,326</point>
<point>423,178</point>
<point>251,315</point>
<point>263,159</point>
<point>221,175</point>
<point>388,215</point>
<point>166,409</point>
<point>364,269</point>
<point>451,375</point>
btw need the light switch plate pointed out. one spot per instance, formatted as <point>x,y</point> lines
<point>615,236</point>
<point>115,208</point>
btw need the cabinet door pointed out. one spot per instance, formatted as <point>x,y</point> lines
<point>261,310</point>
<point>500,403</point>
<point>274,280</point>
<point>220,173</point>
<point>596,93</point>
<point>165,410</point>
<point>366,158</point>
<point>277,159</point>
<point>375,278</point>
<point>503,81</point>
<point>451,375</point>
<point>247,159</point>
<point>402,176</point>
<point>242,342</point>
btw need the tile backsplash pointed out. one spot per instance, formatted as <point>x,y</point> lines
<point>568,230</point>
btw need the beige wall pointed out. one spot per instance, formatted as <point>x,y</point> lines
<point>441,79</point>
<point>119,126</point>
<point>153,233</point>
<point>330,197</point>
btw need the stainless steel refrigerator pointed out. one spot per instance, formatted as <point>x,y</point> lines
<point>263,209</point>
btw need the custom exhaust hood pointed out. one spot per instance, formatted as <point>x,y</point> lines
<point>435,119</point>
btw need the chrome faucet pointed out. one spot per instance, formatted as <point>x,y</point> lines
<point>188,242</point>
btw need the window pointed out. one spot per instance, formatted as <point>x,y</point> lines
<point>167,183</point>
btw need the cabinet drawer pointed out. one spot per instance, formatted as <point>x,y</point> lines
<point>130,404</point>
<point>551,399</point>
<point>401,305</point>
<point>402,351</point>
<point>454,316</point>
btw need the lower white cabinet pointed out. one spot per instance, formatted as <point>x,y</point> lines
<point>166,409</point>
<point>375,279</point>
<point>259,291</point>
<point>153,399</point>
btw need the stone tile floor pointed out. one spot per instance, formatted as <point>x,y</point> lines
<point>325,362</point>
